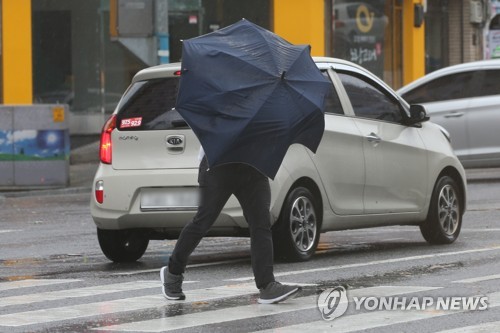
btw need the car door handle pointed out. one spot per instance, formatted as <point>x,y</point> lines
<point>454,115</point>
<point>373,138</point>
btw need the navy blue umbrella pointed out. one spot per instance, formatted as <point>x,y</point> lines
<point>248,95</point>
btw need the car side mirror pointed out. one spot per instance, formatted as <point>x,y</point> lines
<point>417,114</point>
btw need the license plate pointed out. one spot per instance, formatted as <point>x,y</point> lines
<point>170,199</point>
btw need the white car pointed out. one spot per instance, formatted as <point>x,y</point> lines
<point>379,163</point>
<point>465,100</point>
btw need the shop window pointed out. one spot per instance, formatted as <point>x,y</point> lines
<point>358,33</point>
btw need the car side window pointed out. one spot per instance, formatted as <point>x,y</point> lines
<point>368,101</point>
<point>444,88</point>
<point>490,84</point>
<point>332,100</point>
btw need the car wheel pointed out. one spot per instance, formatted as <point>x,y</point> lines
<point>444,219</point>
<point>122,245</point>
<point>296,233</point>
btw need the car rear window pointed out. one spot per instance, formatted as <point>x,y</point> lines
<point>150,105</point>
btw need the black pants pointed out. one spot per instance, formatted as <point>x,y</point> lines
<point>252,190</point>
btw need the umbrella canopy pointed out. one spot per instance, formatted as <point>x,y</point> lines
<point>248,95</point>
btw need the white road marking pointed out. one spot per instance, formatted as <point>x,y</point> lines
<point>121,305</point>
<point>481,230</point>
<point>9,230</point>
<point>481,328</point>
<point>250,311</point>
<point>371,263</point>
<point>214,263</point>
<point>32,283</point>
<point>369,320</point>
<point>478,279</point>
<point>78,292</point>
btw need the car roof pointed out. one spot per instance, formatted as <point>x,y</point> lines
<point>468,66</point>
<point>156,72</point>
<point>169,70</point>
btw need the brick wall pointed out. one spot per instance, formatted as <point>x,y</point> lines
<point>465,38</point>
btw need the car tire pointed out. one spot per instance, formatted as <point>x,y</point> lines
<point>296,233</point>
<point>444,219</point>
<point>122,245</point>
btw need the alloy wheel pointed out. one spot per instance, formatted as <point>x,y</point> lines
<point>448,210</point>
<point>303,224</point>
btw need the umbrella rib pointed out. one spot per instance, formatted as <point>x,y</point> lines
<point>249,120</point>
<point>260,69</point>
<point>284,44</point>
<point>300,93</point>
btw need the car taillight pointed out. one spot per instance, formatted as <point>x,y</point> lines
<point>106,145</point>
<point>99,191</point>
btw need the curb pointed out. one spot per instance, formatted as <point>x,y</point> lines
<point>36,192</point>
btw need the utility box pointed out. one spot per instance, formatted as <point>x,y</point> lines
<point>34,146</point>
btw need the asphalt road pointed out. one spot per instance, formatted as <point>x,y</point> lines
<point>54,278</point>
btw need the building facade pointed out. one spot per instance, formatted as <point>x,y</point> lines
<point>84,52</point>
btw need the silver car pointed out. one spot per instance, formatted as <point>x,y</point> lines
<point>379,163</point>
<point>465,100</point>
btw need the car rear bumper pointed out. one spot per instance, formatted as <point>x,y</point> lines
<point>138,199</point>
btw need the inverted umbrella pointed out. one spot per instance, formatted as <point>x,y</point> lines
<point>248,95</point>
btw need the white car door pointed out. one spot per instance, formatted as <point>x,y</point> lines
<point>339,159</point>
<point>452,115</point>
<point>483,118</point>
<point>447,101</point>
<point>395,155</point>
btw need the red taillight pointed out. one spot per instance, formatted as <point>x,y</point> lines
<point>177,73</point>
<point>99,191</point>
<point>105,148</point>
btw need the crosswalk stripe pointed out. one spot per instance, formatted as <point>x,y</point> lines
<point>32,283</point>
<point>479,279</point>
<point>481,328</point>
<point>249,311</point>
<point>374,319</point>
<point>78,292</point>
<point>120,305</point>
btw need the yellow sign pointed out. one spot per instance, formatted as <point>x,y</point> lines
<point>58,114</point>
<point>364,19</point>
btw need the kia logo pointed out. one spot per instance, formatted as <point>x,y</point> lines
<point>174,140</point>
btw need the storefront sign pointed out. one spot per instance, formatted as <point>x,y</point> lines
<point>494,43</point>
